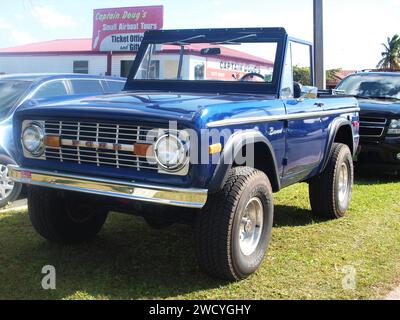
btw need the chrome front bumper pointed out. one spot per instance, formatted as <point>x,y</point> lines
<point>180,197</point>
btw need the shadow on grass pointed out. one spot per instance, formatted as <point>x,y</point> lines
<point>295,216</point>
<point>127,260</point>
<point>371,177</point>
<point>289,216</point>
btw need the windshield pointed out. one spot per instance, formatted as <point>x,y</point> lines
<point>223,61</point>
<point>10,92</point>
<point>372,86</point>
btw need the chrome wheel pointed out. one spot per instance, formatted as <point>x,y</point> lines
<point>343,183</point>
<point>6,184</point>
<point>251,226</point>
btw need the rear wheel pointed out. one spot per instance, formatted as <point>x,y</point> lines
<point>330,192</point>
<point>9,190</point>
<point>64,217</point>
<point>233,230</point>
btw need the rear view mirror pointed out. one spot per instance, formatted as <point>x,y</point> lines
<point>210,51</point>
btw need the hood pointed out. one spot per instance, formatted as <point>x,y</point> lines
<point>380,107</point>
<point>145,106</point>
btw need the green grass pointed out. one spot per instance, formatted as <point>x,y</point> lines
<point>128,260</point>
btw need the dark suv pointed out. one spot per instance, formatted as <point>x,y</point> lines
<point>379,99</point>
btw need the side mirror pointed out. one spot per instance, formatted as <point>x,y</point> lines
<point>309,92</point>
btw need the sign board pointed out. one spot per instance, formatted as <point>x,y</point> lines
<point>122,29</point>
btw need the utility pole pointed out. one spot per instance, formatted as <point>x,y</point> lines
<point>319,70</point>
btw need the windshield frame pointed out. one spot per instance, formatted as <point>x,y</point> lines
<point>263,35</point>
<point>361,75</point>
<point>20,99</point>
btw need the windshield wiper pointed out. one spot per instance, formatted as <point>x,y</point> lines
<point>185,41</point>
<point>182,43</point>
<point>234,40</point>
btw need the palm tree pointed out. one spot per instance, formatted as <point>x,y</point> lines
<point>391,55</point>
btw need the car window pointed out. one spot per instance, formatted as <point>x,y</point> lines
<point>374,85</point>
<point>86,87</point>
<point>301,62</point>
<point>11,91</point>
<point>51,89</point>
<point>115,86</point>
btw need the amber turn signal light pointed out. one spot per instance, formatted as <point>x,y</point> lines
<point>52,141</point>
<point>215,148</point>
<point>141,149</point>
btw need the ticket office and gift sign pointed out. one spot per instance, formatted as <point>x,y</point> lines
<point>122,29</point>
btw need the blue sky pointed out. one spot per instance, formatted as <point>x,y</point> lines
<point>354,29</point>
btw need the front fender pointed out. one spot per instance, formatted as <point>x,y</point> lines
<point>231,151</point>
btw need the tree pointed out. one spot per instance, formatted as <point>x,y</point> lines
<point>302,75</point>
<point>391,55</point>
<point>331,73</point>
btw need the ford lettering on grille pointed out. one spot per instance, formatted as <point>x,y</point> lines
<point>101,144</point>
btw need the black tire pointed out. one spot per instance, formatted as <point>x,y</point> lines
<point>64,217</point>
<point>326,200</point>
<point>158,223</point>
<point>12,194</point>
<point>218,225</point>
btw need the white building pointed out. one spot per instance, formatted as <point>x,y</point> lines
<point>64,56</point>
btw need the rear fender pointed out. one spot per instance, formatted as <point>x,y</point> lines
<point>334,128</point>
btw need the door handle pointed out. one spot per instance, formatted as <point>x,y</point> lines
<point>319,104</point>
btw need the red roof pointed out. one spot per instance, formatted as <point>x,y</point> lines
<point>66,45</point>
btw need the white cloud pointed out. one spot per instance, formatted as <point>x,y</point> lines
<point>19,16</point>
<point>21,37</point>
<point>16,36</point>
<point>4,24</point>
<point>50,17</point>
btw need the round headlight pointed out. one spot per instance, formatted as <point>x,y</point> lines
<point>394,124</point>
<point>170,152</point>
<point>32,139</point>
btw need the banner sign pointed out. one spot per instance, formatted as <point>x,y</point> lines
<point>122,29</point>
<point>226,70</point>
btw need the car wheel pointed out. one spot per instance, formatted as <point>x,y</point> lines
<point>64,217</point>
<point>233,230</point>
<point>331,191</point>
<point>9,190</point>
<point>158,223</point>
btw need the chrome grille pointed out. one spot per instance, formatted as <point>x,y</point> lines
<point>372,126</point>
<point>121,135</point>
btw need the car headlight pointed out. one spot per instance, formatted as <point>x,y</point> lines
<point>32,139</point>
<point>171,153</point>
<point>394,127</point>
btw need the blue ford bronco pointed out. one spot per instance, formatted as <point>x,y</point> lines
<point>211,123</point>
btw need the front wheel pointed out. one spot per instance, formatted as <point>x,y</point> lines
<point>233,230</point>
<point>330,192</point>
<point>64,217</point>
